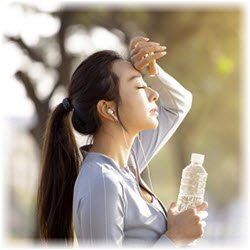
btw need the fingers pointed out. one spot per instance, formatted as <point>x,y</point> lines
<point>135,40</point>
<point>203,223</point>
<point>202,206</point>
<point>173,209</point>
<point>144,53</point>
<point>202,214</point>
<point>147,50</point>
<point>173,205</point>
<point>144,62</point>
<point>142,45</point>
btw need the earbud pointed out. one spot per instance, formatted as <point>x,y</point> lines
<point>111,112</point>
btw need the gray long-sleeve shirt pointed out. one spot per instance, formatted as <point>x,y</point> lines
<point>108,208</point>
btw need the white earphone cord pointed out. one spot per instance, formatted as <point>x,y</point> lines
<point>147,166</point>
<point>146,163</point>
<point>110,111</point>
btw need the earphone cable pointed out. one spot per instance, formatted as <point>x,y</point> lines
<point>146,164</point>
<point>144,156</point>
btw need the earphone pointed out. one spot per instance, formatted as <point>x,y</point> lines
<point>111,112</point>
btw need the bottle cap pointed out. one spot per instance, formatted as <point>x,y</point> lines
<point>198,158</point>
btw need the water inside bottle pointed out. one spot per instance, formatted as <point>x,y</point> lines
<point>192,187</point>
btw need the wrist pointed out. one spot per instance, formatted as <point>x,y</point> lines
<point>173,236</point>
<point>145,72</point>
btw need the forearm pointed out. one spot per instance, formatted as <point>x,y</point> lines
<point>173,96</point>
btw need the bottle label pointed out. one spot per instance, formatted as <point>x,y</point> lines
<point>188,201</point>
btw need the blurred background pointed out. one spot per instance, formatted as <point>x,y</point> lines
<point>41,45</point>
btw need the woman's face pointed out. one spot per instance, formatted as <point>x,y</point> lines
<point>137,98</point>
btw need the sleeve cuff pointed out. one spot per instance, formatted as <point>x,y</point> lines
<point>164,241</point>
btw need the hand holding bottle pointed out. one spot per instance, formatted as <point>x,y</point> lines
<point>192,187</point>
<point>186,226</point>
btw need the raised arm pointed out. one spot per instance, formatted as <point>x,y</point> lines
<point>175,102</point>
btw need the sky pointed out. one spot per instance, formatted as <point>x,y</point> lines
<point>13,101</point>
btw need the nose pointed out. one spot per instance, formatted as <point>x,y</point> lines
<point>153,96</point>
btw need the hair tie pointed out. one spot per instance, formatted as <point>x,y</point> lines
<point>67,104</point>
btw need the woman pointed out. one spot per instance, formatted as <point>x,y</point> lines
<point>109,99</point>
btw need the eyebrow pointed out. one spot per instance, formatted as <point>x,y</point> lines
<point>133,77</point>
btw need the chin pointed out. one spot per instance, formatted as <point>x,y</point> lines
<point>148,124</point>
<point>153,124</point>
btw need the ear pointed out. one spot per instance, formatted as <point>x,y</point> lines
<point>102,108</point>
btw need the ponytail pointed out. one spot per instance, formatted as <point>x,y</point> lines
<point>92,81</point>
<point>59,166</point>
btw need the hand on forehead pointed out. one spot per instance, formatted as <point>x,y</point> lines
<point>143,52</point>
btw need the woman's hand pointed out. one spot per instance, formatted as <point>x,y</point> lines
<point>143,52</point>
<point>187,226</point>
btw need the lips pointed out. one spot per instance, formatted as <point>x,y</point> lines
<point>154,110</point>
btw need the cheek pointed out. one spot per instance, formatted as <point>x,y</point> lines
<point>136,103</point>
<point>135,112</point>
<point>132,111</point>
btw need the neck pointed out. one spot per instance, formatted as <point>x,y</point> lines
<point>115,144</point>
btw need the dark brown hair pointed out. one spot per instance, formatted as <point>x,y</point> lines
<point>92,81</point>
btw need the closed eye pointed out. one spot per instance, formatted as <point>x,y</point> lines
<point>141,87</point>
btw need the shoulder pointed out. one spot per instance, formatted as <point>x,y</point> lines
<point>102,176</point>
<point>97,177</point>
<point>99,187</point>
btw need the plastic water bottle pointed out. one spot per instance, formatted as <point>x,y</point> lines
<point>193,183</point>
